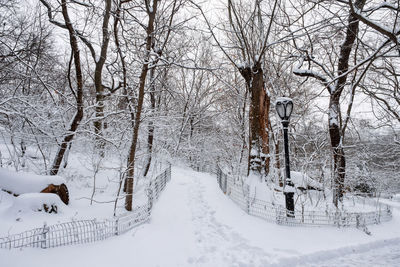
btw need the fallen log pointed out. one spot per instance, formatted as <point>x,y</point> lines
<point>60,190</point>
<point>17,183</point>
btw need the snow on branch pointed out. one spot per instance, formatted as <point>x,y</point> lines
<point>81,3</point>
<point>64,26</point>
<point>376,26</point>
<point>314,74</point>
<point>381,6</point>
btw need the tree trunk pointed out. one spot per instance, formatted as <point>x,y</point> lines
<point>259,159</point>
<point>98,80</point>
<point>242,116</point>
<point>334,117</point>
<point>150,134</point>
<point>339,160</point>
<point>142,82</point>
<point>79,92</point>
<point>265,103</point>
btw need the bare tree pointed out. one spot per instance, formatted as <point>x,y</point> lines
<point>345,65</point>
<point>40,101</point>
<point>78,94</point>
<point>248,32</point>
<point>98,53</point>
<point>155,34</point>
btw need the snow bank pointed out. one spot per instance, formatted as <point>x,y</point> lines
<point>396,198</point>
<point>194,224</point>
<point>259,189</point>
<point>318,258</point>
<point>302,180</point>
<point>33,202</point>
<point>320,199</point>
<point>21,183</point>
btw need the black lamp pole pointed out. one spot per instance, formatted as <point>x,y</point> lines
<point>289,186</point>
<point>284,107</point>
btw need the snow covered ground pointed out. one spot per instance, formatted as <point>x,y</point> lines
<point>195,224</point>
<point>380,255</point>
<point>79,179</point>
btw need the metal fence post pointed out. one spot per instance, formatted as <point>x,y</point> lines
<point>280,214</point>
<point>150,205</point>
<point>224,185</point>
<point>358,221</point>
<point>219,176</point>
<point>116,221</point>
<point>378,216</point>
<point>150,197</point>
<point>248,204</point>
<point>169,172</point>
<point>45,230</point>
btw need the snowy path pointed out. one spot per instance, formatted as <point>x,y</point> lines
<point>194,224</point>
<point>217,242</point>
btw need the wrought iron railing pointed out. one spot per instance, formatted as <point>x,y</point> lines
<point>277,213</point>
<point>86,231</point>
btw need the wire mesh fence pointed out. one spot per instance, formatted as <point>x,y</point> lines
<point>86,231</point>
<point>222,180</point>
<point>272,212</point>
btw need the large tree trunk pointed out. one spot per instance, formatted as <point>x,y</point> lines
<point>265,103</point>
<point>339,160</point>
<point>142,82</point>
<point>135,134</point>
<point>259,159</point>
<point>79,92</point>
<point>334,117</point>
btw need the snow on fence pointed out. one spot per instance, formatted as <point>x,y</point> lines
<point>277,213</point>
<point>86,231</point>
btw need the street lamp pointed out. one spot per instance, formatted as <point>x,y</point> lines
<point>284,108</point>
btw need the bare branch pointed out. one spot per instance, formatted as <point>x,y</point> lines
<point>384,31</point>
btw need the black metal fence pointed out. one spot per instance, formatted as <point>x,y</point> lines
<point>86,231</point>
<point>277,213</point>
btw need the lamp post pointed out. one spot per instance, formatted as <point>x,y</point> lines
<point>284,108</point>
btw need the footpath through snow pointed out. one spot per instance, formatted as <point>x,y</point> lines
<point>195,224</point>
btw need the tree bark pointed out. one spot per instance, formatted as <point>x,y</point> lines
<point>336,130</point>
<point>142,81</point>
<point>98,79</point>
<point>79,92</point>
<point>150,134</point>
<point>122,105</point>
<point>339,160</point>
<point>259,159</point>
<point>334,118</point>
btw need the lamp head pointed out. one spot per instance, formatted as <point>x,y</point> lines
<point>284,108</point>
